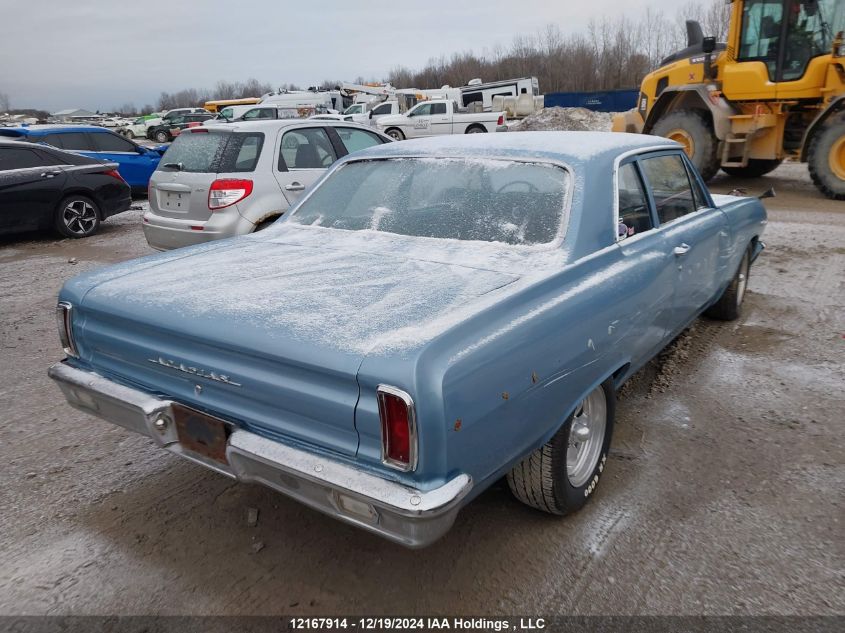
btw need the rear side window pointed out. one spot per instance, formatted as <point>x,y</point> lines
<point>383,109</point>
<point>104,142</point>
<point>21,158</point>
<point>241,152</point>
<point>634,214</point>
<point>667,176</point>
<point>353,139</point>
<point>71,140</point>
<point>195,152</point>
<point>308,148</point>
<point>438,108</point>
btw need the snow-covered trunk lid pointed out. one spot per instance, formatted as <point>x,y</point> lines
<point>272,333</point>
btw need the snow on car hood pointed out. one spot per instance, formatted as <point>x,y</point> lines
<point>343,290</point>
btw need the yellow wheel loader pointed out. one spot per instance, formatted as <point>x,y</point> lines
<point>775,90</point>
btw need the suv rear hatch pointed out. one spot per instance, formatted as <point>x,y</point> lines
<point>181,185</point>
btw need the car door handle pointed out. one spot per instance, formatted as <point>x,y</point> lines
<point>50,174</point>
<point>683,249</point>
<point>295,186</point>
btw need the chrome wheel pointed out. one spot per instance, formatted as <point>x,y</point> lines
<point>80,217</point>
<point>586,438</point>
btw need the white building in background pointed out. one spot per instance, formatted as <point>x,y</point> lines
<point>68,115</point>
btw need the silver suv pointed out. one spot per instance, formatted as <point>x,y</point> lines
<point>220,181</point>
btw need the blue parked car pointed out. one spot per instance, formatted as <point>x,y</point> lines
<point>431,316</point>
<point>135,163</point>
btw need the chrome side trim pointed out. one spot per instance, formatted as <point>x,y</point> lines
<point>412,430</point>
<point>400,513</point>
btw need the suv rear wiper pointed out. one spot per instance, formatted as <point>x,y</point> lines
<point>176,166</point>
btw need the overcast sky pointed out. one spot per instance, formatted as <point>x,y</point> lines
<point>99,54</point>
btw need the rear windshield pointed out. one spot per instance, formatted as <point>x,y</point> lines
<point>465,199</point>
<point>205,152</point>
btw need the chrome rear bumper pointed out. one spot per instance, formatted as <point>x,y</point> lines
<point>402,514</point>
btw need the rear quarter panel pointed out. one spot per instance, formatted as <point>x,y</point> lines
<point>747,220</point>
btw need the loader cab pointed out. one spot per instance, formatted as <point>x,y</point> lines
<point>781,48</point>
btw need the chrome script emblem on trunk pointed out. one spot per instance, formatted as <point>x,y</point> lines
<point>194,371</point>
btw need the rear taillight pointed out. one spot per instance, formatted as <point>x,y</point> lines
<point>398,428</point>
<point>228,191</point>
<point>114,174</point>
<point>64,321</point>
<point>501,120</point>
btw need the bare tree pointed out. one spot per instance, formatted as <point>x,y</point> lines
<point>4,102</point>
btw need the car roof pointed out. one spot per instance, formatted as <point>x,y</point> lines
<point>54,128</point>
<point>274,124</point>
<point>573,148</point>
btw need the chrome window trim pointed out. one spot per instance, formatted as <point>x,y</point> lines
<point>64,320</point>
<point>412,428</point>
<point>617,163</point>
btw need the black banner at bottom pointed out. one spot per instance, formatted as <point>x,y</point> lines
<point>348,624</point>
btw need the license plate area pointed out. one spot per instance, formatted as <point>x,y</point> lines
<point>174,201</point>
<point>201,433</point>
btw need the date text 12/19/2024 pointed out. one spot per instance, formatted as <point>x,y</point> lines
<point>423,624</point>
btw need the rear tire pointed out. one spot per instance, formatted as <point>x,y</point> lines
<point>729,305</point>
<point>77,216</point>
<point>396,134</point>
<point>827,158</point>
<point>476,129</point>
<point>560,476</point>
<point>756,167</point>
<point>695,133</point>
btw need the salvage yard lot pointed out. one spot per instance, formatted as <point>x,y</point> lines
<point>723,493</point>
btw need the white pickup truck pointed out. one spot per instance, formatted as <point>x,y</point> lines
<point>369,114</point>
<point>437,117</point>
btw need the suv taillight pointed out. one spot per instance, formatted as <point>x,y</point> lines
<point>501,120</point>
<point>398,428</point>
<point>228,191</point>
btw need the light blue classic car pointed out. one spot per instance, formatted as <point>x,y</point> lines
<point>432,316</point>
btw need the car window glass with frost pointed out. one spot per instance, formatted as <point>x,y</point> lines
<point>308,148</point>
<point>667,176</point>
<point>242,152</point>
<point>353,139</point>
<point>194,151</point>
<point>634,214</point>
<point>464,199</point>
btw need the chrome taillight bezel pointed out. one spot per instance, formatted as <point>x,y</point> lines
<point>64,321</point>
<point>413,448</point>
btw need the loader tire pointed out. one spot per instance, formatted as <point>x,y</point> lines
<point>827,158</point>
<point>560,476</point>
<point>756,167</point>
<point>695,133</point>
